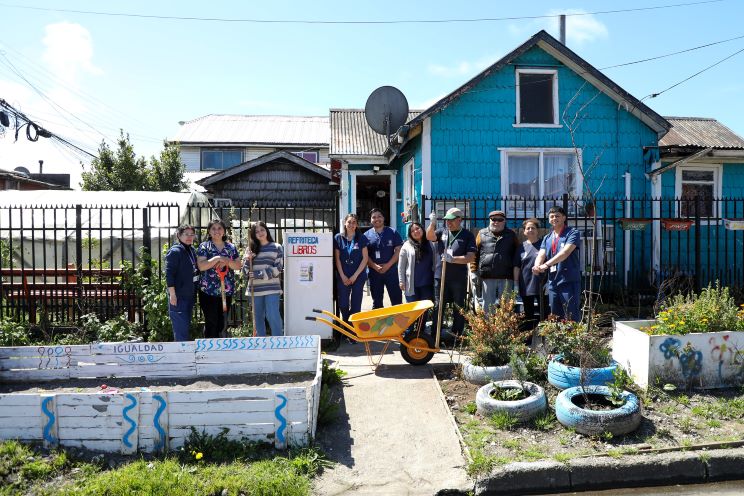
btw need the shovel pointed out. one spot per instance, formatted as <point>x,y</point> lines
<point>222,273</point>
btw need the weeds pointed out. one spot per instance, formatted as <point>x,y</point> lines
<point>471,408</point>
<point>562,457</point>
<point>544,422</point>
<point>687,425</point>
<point>503,420</point>
<point>514,444</point>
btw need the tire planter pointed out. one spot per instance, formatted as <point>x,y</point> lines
<point>565,376</point>
<point>524,409</point>
<point>621,420</point>
<point>475,374</point>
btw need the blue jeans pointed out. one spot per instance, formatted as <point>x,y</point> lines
<point>564,300</point>
<point>267,308</point>
<point>350,297</point>
<point>180,316</point>
<point>378,283</point>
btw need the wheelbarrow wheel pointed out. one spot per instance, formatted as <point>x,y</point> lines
<point>414,355</point>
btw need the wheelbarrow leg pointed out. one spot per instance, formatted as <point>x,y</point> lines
<point>379,360</point>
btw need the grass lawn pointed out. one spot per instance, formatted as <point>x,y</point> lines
<point>225,467</point>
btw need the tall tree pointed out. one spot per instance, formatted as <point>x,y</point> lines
<point>122,170</point>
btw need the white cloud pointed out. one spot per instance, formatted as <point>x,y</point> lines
<point>69,51</point>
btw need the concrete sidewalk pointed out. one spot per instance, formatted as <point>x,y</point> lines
<point>394,434</point>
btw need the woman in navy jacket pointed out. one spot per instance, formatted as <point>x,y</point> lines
<point>181,276</point>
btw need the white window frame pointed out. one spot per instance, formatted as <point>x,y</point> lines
<point>409,184</point>
<point>223,150</point>
<point>717,170</point>
<point>300,153</point>
<point>506,194</point>
<point>554,72</point>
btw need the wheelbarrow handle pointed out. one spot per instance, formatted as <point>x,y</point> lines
<point>311,318</point>
<point>317,310</point>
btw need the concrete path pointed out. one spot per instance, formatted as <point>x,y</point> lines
<point>394,434</point>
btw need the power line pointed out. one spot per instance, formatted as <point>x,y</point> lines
<point>404,21</point>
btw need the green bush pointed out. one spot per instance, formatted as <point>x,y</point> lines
<point>493,337</point>
<point>713,310</point>
<point>113,330</point>
<point>148,283</point>
<point>581,344</point>
<point>13,334</point>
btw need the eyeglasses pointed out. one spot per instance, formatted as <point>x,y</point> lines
<point>498,219</point>
<point>188,235</point>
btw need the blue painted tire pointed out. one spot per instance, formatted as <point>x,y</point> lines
<point>618,421</point>
<point>565,376</point>
<point>475,374</point>
<point>524,409</point>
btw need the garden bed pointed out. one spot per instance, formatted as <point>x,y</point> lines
<point>671,419</point>
<point>267,390</point>
<point>700,360</point>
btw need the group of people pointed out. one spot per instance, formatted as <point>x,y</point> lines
<point>494,260</point>
<point>209,272</point>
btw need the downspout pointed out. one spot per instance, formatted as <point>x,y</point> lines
<point>656,225</point>
<point>626,234</point>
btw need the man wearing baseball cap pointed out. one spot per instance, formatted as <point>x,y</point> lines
<point>456,246</point>
<point>494,258</point>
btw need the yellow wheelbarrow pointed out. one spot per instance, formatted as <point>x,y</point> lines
<point>389,325</point>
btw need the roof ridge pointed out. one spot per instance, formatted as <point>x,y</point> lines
<point>690,118</point>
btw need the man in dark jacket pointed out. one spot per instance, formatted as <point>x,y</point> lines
<point>494,258</point>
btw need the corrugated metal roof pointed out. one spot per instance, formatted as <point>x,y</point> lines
<point>268,129</point>
<point>701,132</point>
<point>350,134</point>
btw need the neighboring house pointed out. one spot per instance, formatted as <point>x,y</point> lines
<point>215,143</point>
<point>277,179</point>
<point>23,181</point>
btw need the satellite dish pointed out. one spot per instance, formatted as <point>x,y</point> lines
<point>386,110</point>
<point>23,171</point>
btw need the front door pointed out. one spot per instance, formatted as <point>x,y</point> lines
<point>372,192</point>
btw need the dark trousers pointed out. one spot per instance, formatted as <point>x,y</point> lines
<point>350,297</point>
<point>564,300</point>
<point>378,283</point>
<point>214,317</point>
<point>455,289</point>
<point>531,310</point>
<point>422,293</point>
<point>180,316</point>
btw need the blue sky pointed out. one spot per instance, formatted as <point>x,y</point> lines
<point>145,75</point>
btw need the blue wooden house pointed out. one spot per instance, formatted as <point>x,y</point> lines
<point>540,124</point>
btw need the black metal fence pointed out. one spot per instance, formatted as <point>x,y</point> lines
<point>58,263</point>
<point>640,242</point>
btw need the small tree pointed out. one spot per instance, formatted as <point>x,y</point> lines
<point>122,170</point>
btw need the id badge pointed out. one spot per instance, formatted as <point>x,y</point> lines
<point>450,252</point>
<point>195,278</point>
<point>553,268</point>
<point>377,255</point>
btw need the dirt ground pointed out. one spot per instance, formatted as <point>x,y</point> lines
<point>130,384</point>
<point>670,419</point>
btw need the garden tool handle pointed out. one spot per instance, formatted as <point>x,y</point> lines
<point>222,273</point>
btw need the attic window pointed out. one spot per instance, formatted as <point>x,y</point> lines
<point>537,97</point>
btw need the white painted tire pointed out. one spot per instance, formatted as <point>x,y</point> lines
<point>523,410</point>
<point>476,374</point>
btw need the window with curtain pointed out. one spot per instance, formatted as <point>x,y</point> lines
<point>534,175</point>
<point>694,183</point>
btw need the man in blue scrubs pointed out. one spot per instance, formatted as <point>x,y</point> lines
<point>383,249</point>
<point>559,257</point>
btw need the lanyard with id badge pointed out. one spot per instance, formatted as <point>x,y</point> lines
<point>348,247</point>
<point>554,246</point>
<point>192,258</point>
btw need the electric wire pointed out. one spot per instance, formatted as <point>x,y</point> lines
<point>349,22</point>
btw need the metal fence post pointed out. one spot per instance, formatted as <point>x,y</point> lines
<point>697,245</point>
<point>79,256</point>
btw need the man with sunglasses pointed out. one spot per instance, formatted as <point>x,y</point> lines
<point>494,258</point>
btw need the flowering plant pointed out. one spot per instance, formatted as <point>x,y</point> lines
<point>580,344</point>
<point>495,336</point>
<point>713,310</point>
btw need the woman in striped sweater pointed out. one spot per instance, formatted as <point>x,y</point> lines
<point>265,279</point>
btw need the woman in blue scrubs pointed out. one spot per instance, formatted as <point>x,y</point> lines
<point>350,254</point>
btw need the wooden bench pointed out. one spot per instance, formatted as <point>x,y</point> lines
<point>44,285</point>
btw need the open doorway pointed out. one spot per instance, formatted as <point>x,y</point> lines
<point>372,192</point>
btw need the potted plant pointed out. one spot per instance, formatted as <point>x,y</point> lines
<point>491,339</point>
<point>695,340</point>
<point>518,398</point>
<point>580,352</point>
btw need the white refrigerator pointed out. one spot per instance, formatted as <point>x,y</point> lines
<point>308,282</point>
